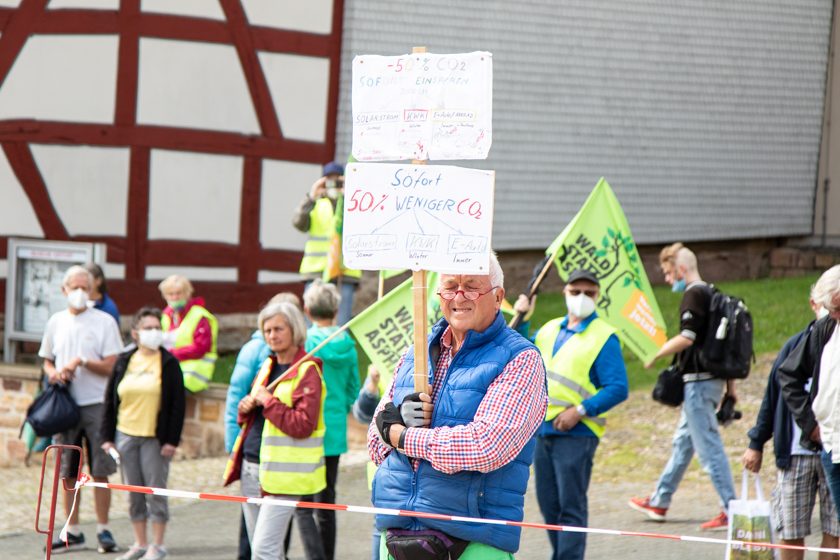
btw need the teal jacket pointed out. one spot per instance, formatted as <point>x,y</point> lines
<point>341,375</point>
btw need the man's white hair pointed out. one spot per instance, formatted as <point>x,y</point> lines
<point>77,270</point>
<point>827,287</point>
<point>497,277</point>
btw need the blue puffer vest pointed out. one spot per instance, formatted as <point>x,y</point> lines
<point>499,494</point>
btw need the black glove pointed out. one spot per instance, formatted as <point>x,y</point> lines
<point>389,416</point>
<point>412,413</point>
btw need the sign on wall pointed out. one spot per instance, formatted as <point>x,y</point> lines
<point>431,217</point>
<point>422,106</point>
<point>33,287</point>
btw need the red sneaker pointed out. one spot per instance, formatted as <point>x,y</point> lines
<point>643,505</point>
<point>719,523</point>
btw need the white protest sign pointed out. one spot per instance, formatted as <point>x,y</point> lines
<point>429,217</point>
<point>422,106</point>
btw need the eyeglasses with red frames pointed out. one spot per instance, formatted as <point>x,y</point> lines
<point>449,295</point>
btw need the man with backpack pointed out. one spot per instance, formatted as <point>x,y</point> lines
<point>698,426</point>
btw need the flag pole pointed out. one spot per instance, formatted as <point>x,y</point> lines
<point>419,296</point>
<point>535,285</point>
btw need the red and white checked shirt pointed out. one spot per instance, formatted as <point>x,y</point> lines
<point>507,418</point>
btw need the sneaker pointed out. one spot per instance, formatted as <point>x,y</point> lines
<point>136,552</point>
<point>106,542</point>
<point>155,552</point>
<point>74,542</point>
<point>643,505</point>
<point>718,523</point>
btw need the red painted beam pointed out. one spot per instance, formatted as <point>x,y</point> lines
<point>163,137</point>
<point>251,67</point>
<point>23,165</point>
<point>249,220</point>
<point>16,30</point>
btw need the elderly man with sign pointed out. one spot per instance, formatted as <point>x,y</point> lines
<point>586,378</point>
<point>464,449</point>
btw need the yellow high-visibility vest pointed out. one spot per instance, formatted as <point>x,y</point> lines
<point>321,229</point>
<point>568,370</point>
<point>198,372</point>
<point>289,465</point>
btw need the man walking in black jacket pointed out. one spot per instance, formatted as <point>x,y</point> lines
<point>801,475</point>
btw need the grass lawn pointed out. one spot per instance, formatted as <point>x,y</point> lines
<point>779,307</point>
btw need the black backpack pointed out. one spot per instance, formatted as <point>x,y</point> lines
<point>727,351</point>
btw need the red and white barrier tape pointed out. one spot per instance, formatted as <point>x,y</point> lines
<point>86,481</point>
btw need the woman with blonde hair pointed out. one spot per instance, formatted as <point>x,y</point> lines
<point>192,332</point>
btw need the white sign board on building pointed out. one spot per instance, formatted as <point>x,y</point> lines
<point>429,217</point>
<point>422,106</point>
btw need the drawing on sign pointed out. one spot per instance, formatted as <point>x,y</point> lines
<point>429,217</point>
<point>422,106</point>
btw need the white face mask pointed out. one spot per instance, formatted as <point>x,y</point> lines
<point>822,313</point>
<point>150,338</point>
<point>581,305</point>
<point>77,299</point>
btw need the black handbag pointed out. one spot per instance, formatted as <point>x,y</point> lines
<point>53,411</point>
<point>669,386</point>
<point>423,545</point>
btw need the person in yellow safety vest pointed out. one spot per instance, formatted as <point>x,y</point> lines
<point>319,216</point>
<point>279,453</point>
<point>191,332</point>
<point>586,377</point>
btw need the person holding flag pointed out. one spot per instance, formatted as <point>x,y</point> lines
<point>465,449</point>
<point>586,377</point>
<point>320,215</point>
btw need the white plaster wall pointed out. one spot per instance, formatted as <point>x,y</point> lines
<point>85,4</point>
<point>193,85</point>
<point>273,277</point>
<point>194,273</point>
<point>196,8</point>
<point>313,16</point>
<point>88,186</point>
<point>284,184</point>
<point>64,78</point>
<point>194,196</point>
<point>16,214</point>
<point>9,3</point>
<point>299,87</point>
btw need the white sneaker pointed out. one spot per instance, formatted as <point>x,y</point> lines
<point>134,553</point>
<point>155,552</point>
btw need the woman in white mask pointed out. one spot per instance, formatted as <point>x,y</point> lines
<point>144,415</point>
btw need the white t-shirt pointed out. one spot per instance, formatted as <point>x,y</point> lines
<point>826,402</point>
<point>92,335</point>
<point>795,447</point>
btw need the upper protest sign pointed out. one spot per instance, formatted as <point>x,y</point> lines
<point>422,106</point>
<point>429,217</point>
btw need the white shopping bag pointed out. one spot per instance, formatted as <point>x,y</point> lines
<point>750,520</point>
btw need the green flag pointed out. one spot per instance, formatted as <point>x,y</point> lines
<point>386,328</point>
<point>598,239</point>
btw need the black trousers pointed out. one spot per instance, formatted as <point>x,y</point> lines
<point>326,517</point>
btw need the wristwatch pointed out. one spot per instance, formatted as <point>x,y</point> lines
<point>83,361</point>
<point>581,409</point>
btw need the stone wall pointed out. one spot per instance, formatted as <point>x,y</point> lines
<point>797,261</point>
<point>203,433</point>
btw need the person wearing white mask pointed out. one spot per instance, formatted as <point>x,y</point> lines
<point>143,419</point>
<point>586,378</point>
<point>79,348</point>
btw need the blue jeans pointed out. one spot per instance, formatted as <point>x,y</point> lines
<point>832,477</point>
<point>345,308</point>
<point>563,465</point>
<point>697,430</point>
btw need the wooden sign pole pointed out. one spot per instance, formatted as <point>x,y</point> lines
<point>419,293</point>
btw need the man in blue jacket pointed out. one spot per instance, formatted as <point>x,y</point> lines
<point>801,476</point>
